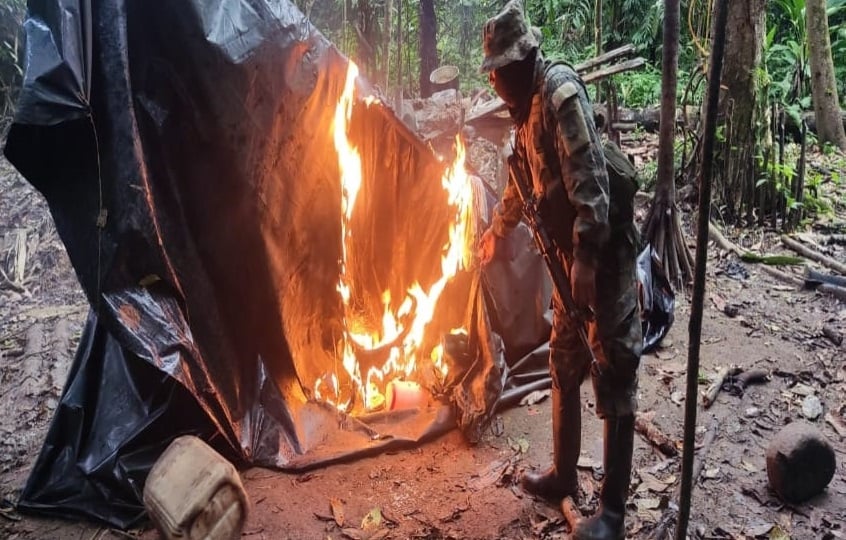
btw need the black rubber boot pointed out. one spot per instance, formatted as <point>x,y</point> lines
<point>609,521</point>
<point>560,480</point>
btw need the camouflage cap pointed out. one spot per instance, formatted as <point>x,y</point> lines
<point>507,37</point>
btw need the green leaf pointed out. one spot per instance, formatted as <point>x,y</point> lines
<point>750,257</point>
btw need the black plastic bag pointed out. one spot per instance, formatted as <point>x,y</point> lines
<point>657,299</point>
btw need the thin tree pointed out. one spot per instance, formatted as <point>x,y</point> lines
<point>428,45</point>
<point>823,85</point>
<point>663,226</point>
<point>386,45</point>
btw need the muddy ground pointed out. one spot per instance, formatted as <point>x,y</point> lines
<point>448,489</point>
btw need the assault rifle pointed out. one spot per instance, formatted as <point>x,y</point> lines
<point>548,249</point>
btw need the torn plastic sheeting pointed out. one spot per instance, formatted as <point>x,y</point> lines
<point>109,391</point>
<point>200,206</point>
<point>656,297</point>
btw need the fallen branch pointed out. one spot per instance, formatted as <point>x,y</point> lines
<point>595,76</point>
<point>736,385</point>
<point>727,245</point>
<point>710,395</point>
<point>668,518</point>
<point>747,256</point>
<point>724,243</point>
<point>783,276</point>
<point>814,255</point>
<point>605,57</point>
<point>7,283</point>
<point>655,436</point>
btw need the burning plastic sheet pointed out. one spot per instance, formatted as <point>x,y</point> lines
<point>188,154</point>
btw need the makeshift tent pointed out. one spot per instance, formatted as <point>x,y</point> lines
<point>186,151</point>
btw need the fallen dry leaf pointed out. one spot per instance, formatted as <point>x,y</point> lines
<point>379,535</point>
<point>373,520</point>
<point>759,530</point>
<point>651,483</point>
<point>337,510</point>
<point>649,503</point>
<point>711,473</point>
<point>353,533</point>
<point>534,397</point>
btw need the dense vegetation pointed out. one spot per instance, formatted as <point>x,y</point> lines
<point>568,30</point>
<point>386,38</point>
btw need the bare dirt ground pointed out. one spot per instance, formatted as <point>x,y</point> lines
<point>448,489</point>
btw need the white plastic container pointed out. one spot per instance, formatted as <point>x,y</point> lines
<point>193,493</point>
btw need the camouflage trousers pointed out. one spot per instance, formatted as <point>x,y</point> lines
<point>614,334</point>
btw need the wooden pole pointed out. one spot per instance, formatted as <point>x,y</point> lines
<point>696,306</point>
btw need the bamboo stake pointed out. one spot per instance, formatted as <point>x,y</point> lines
<point>669,514</point>
<point>781,200</point>
<point>800,192</point>
<point>697,300</point>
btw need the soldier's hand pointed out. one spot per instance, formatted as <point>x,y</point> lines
<point>583,284</point>
<point>488,246</point>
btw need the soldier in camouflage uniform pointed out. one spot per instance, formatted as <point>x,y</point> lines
<point>560,151</point>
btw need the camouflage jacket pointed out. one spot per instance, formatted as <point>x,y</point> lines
<point>564,160</point>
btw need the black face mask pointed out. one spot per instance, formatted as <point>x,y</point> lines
<point>514,82</point>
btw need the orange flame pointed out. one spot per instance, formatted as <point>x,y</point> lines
<point>457,254</point>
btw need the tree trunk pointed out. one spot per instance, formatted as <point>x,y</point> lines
<point>823,85</point>
<point>386,45</point>
<point>428,49</point>
<point>663,227</point>
<point>365,31</point>
<point>741,114</point>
